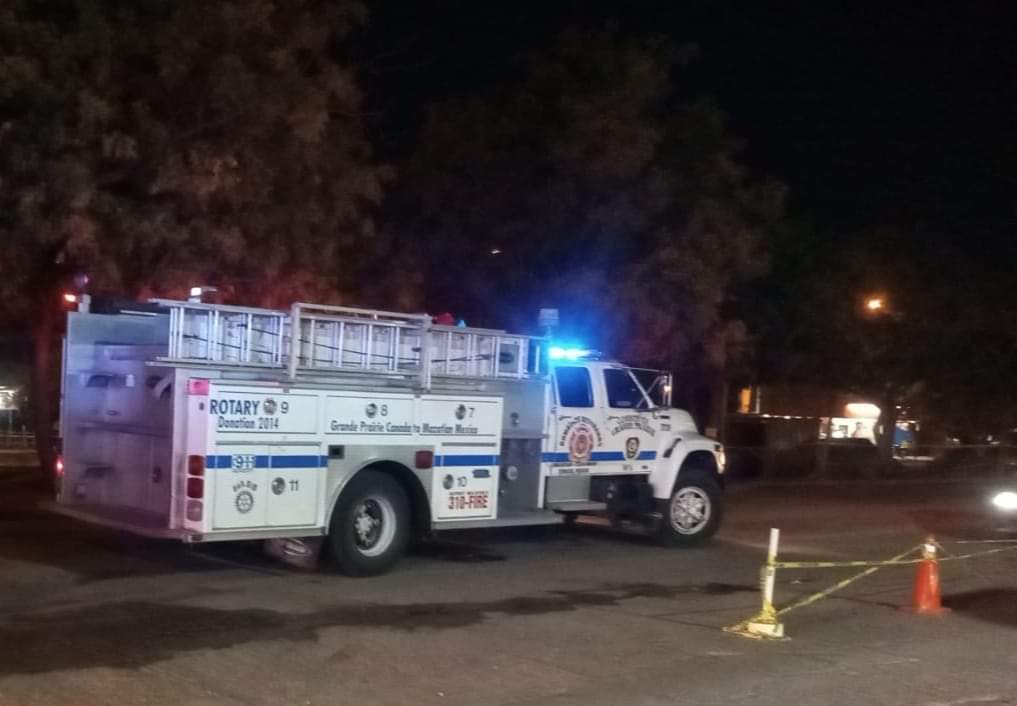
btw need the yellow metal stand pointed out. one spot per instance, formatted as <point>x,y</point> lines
<point>764,625</point>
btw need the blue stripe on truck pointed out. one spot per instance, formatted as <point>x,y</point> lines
<point>562,457</point>
<point>440,460</point>
<point>262,461</point>
<point>225,462</point>
<point>465,460</point>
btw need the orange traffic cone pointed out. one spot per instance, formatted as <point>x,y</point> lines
<point>926,598</point>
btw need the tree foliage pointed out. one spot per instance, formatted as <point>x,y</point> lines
<point>603,192</point>
<point>156,144</point>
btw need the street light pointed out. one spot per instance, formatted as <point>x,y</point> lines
<point>874,305</point>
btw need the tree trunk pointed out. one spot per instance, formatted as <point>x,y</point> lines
<point>44,336</point>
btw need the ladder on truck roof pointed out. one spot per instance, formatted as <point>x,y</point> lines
<point>343,339</point>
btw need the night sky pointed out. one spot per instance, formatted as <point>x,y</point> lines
<point>873,116</point>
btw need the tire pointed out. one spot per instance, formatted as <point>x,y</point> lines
<point>370,525</point>
<point>692,514</point>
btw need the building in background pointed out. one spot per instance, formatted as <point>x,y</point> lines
<point>790,430</point>
<point>8,407</point>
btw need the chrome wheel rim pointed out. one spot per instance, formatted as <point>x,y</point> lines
<point>374,525</point>
<point>690,510</point>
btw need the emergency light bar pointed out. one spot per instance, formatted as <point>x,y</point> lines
<point>559,353</point>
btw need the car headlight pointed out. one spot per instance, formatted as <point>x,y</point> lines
<point>1007,500</point>
<point>721,457</point>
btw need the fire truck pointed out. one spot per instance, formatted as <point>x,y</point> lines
<point>358,430</point>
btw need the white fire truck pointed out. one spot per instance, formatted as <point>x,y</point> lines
<point>363,428</point>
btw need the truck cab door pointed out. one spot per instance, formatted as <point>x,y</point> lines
<point>630,425</point>
<point>578,420</point>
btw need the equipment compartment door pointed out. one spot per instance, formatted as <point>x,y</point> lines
<point>240,489</point>
<point>294,477</point>
<point>462,490</point>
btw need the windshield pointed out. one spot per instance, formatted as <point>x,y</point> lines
<point>623,392</point>
<point>656,383</point>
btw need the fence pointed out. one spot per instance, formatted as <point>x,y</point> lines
<point>857,458</point>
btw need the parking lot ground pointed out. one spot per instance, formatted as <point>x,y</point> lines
<point>527,616</point>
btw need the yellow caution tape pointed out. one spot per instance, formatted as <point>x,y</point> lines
<point>981,541</point>
<point>883,562</point>
<point>770,614</point>
<point>808,600</point>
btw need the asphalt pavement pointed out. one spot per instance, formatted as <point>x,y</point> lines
<point>581,615</point>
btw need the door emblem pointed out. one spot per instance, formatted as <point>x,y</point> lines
<point>580,443</point>
<point>631,448</point>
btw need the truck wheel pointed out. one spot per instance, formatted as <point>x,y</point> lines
<point>692,515</point>
<point>370,525</point>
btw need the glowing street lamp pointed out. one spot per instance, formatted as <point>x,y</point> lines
<point>875,305</point>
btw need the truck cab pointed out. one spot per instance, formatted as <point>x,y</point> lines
<point>616,446</point>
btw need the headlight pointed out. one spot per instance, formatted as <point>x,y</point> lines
<point>1007,500</point>
<point>721,457</point>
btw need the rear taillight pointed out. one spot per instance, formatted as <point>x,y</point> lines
<point>423,458</point>
<point>195,465</point>
<point>195,488</point>
<point>59,467</point>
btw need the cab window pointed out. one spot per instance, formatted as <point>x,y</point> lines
<point>574,388</point>
<point>622,391</point>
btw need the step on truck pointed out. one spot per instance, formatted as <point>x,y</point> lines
<point>362,428</point>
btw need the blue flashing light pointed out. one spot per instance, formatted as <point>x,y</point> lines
<point>559,353</point>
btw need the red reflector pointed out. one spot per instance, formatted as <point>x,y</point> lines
<point>60,466</point>
<point>424,459</point>
<point>195,487</point>
<point>197,386</point>
<point>196,465</point>
<point>194,510</point>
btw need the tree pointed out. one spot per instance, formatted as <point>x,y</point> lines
<point>155,144</point>
<point>590,184</point>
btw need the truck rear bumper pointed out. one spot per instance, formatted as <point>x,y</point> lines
<point>127,519</point>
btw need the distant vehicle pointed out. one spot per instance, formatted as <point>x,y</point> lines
<point>206,423</point>
<point>1004,508</point>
